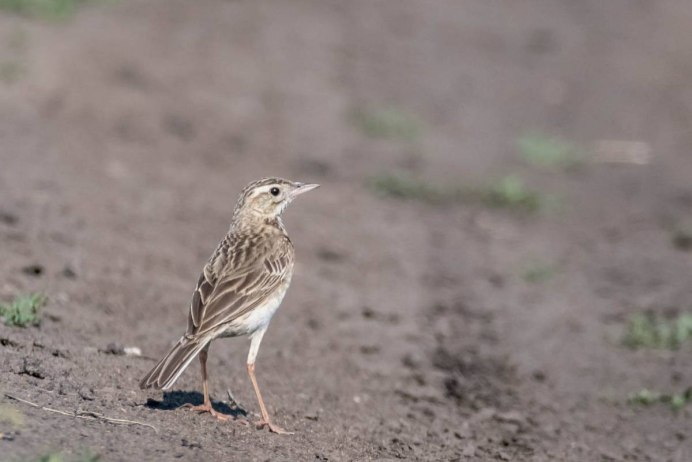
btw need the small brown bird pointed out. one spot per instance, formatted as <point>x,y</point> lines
<point>240,288</point>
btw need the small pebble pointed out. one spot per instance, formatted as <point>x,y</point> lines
<point>132,351</point>
<point>469,450</point>
<point>86,394</point>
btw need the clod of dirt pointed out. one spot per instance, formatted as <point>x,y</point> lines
<point>114,348</point>
<point>187,444</point>
<point>400,448</point>
<point>8,218</point>
<point>33,367</point>
<point>538,375</point>
<point>464,431</point>
<point>8,342</point>
<point>469,450</point>
<point>60,354</point>
<point>368,313</point>
<point>388,318</point>
<point>35,270</point>
<point>682,240</point>
<point>86,394</point>
<point>8,436</point>
<point>68,272</point>
<point>67,387</point>
<point>329,255</point>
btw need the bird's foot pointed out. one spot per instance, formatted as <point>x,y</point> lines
<point>260,424</point>
<point>208,408</point>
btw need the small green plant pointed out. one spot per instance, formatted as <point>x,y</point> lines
<point>389,123</point>
<point>89,456</point>
<point>647,330</point>
<point>510,192</point>
<point>544,151</point>
<point>46,9</point>
<point>52,457</point>
<point>538,271</point>
<point>25,310</point>
<point>646,397</point>
<point>86,456</point>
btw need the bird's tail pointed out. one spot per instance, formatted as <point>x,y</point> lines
<point>167,371</point>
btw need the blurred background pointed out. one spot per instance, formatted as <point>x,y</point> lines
<point>496,266</point>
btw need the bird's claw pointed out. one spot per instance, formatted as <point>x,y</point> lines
<point>208,408</point>
<point>260,424</point>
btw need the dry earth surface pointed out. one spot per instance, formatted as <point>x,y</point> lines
<point>127,131</point>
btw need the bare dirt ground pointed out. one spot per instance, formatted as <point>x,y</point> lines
<point>127,132</point>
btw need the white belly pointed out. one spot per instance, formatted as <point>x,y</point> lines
<point>258,318</point>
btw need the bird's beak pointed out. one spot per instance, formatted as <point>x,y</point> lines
<point>303,188</point>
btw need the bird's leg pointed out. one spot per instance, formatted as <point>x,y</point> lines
<point>206,406</point>
<point>265,421</point>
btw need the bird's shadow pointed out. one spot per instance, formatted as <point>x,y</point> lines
<point>176,399</point>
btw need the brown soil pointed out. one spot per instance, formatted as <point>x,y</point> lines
<point>408,331</point>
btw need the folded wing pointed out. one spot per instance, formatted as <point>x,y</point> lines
<point>231,287</point>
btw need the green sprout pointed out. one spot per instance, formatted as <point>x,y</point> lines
<point>25,310</point>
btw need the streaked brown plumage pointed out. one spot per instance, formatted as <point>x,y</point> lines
<point>240,287</point>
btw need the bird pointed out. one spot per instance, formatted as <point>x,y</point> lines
<point>239,290</point>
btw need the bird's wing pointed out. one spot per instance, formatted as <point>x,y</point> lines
<point>232,285</point>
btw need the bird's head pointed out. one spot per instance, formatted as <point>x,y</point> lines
<point>267,198</point>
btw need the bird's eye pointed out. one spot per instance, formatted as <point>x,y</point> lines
<point>274,191</point>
